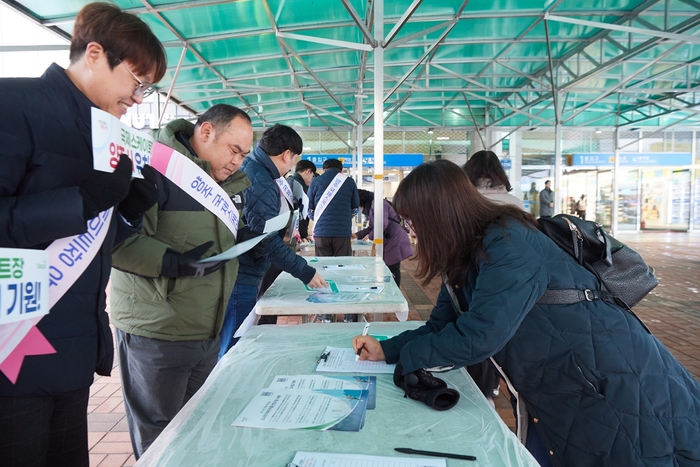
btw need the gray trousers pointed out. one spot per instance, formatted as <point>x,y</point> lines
<point>158,378</point>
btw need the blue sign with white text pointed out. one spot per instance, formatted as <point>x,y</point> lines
<point>642,159</point>
<point>390,160</point>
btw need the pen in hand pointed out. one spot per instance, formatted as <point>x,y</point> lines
<point>364,333</point>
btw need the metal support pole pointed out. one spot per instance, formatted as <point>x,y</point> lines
<point>516,159</point>
<point>172,84</point>
<point>360,138</point>
<point>379,128</point>
<point>352,139</point>
<point>616,185</point>
<point>693,184</point>
<point>557,169</point>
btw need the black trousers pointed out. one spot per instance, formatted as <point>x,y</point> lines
<point>396,272</point>
<point>44,431</point>
<point>333,246</point>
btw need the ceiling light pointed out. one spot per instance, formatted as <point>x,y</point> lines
<point>371,138</point>
<point>598,131</point>
<point>443,138</point>
<point>430,132</point>
<point>307,148</point>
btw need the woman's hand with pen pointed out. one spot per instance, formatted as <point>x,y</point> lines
<point>371,348</point>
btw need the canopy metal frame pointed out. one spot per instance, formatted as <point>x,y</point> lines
<point>439,55</point>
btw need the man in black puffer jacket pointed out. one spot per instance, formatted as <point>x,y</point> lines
<point>49,191</point>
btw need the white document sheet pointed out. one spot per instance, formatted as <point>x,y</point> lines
<point>344,288</point>
<point>322,459</point>
<point>342,360</point>
<point>272,225</point>
<point>341,267</point>
<point>312,382</point>
<point>311,410</point>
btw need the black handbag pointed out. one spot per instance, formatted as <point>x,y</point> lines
<point>621,271</point>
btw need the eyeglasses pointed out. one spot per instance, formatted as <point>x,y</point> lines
<point>142,89</point>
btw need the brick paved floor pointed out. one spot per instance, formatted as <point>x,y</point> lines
<point>671,311</point>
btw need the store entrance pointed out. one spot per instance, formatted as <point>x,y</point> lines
<point>666,199</point>
<point>647,199</point>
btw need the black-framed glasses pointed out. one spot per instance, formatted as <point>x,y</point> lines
<point>142,89</point>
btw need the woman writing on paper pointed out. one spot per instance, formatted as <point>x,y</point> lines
<point>599,388</point>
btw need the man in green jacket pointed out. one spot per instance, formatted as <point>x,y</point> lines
<point>168,309</point>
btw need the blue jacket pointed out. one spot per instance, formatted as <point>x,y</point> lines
<point>46,152</point>
<point>336,220</point>
<point>262,202</point>
<point>602,389</point>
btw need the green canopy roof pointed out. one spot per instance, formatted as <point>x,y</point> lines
<point>447,63</point>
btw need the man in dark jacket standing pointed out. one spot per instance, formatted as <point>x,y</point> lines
<point>546,200</point>
<point>161,303</point>
<point>49,191</point>
<point>268,196</point>
<point>333,200</point>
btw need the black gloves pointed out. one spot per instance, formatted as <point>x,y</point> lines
<point>143,193</point>
<point>102,190</point>
<point>177,264</point>
<point>422,386</point>
<point>244,233</point>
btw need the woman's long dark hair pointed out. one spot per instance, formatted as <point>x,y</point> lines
<point>450,218</point>
<point>485,164</point>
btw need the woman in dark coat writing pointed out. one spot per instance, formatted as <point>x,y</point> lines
<point>600,389</point>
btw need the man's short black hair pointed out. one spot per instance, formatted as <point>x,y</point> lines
<point>279,138</point>
<point>303,165</point>
<point>332,164</point>
<point>220,116</point>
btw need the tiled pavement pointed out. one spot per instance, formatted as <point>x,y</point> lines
<point>671,311</point>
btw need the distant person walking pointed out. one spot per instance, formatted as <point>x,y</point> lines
<point>534,199</point>
<point>546,200</point>
<point>581,207</point>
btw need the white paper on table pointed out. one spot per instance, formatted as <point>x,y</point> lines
<point>369,279</point>
<point>345,288</point>
<point>288,409</point>
<point>273,225</point>
<point>335,267</point>
<point>310,382</point>
<point>342,360</point>
<point>323,459</point>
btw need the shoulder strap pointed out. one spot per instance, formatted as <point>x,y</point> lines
<point>570,296</point>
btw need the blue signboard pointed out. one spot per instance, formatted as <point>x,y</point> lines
<point>507,164</point>
<point>643,159</point>
<point>390,160</point>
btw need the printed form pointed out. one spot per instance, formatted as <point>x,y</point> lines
<point>320,459</point>
<point>342,360</point>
